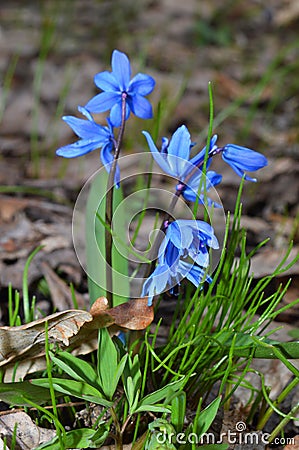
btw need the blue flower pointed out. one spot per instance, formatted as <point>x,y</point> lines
<point>190,189</point>
<point>183,239</point>
<point>243,159</point>
<point>190,238</point>
<point>92,136</point>
<point>174,155</point>
<point>163,278</point>
<point>117,85</point>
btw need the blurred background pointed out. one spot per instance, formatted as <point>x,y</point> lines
<point>49,53</point>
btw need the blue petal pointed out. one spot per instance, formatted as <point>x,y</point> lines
<point>193,273</point>
<point>85,113</point>
<point>121,69</point>
<point>160,159</point>
<point>86,129</point>
<point>191,190</point>
<point>106,81</point>
<point>79,148</point>
<point>141,84</point>
<point>172,255</point>
<point>102,102</point>
<point>179,150</point>
<point>179,234</point>
<point>116,114</point>
<point>198,159</point>
<point>107,159</point>
<point>140,106</point>
<point>156,283</point>
<point>201,257</point>
<point>243,159</point>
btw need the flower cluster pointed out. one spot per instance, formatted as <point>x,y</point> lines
<point>184,251</point>
<point>184,239</point>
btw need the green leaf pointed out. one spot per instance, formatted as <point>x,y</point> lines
<point>207,416</point>
<point>132,382</point>
<point>18,393</point>
<point>76,368</point>
<point>163,393</point>
<point>81,438</point>
<point>75,388</point>
<point>95,243</point>
<point>118,373</point>
<point>153,408</point>
<point>107,362</point>
<point>246,345</point>
<point>178,411</point>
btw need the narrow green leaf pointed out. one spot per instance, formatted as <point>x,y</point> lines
<point>95,243</point>
<point>118,373</point>
<point>75,388</point>
<point>161,394</point>
<point>153,408</point>
<point>178,411</point>
<point>76,368</point>
<point>107,362</point>
<point>81,438</point>
<point>246,345</point>
<point>207,416</point>
<point>18,393</point>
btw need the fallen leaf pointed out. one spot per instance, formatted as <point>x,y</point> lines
<point>132,315</point>
<point>60,293</point>
<point>28,434</point>
<point>18,343</point>
<point>73,329</point>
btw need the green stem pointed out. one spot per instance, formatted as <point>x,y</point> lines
<point>118,433</point>
<point>109,204</point>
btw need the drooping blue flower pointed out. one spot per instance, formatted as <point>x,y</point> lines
<point>191,239</point>
<point>242,159</point>
<point>183,239</point>
<point>163,278</point>
<point>117,85</point>
<point>92,136</point>
<point>190,189</point>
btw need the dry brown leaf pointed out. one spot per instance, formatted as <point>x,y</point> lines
<point>74,329</point>
<point>132,315</point>
<point>60,292</point>
<point>9,206</point>
<point>17,343</point>
<point>28,435</point>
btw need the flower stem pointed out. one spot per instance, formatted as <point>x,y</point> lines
<point>109,205</point>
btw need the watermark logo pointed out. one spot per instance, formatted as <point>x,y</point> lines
<point>239,435</point>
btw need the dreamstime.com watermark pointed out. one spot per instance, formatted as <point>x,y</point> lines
<point>238,436</point>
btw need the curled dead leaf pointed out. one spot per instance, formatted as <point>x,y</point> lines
<point>73,329</point>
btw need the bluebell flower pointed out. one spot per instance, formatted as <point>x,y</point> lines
<point>117,85</point>
<point>191,239</point>
<point>163,278</point>
<point>174,157</point>
<point>183,239</point>
<point>92,136</point>
<point>190,189</point>
<point>242,159</point>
